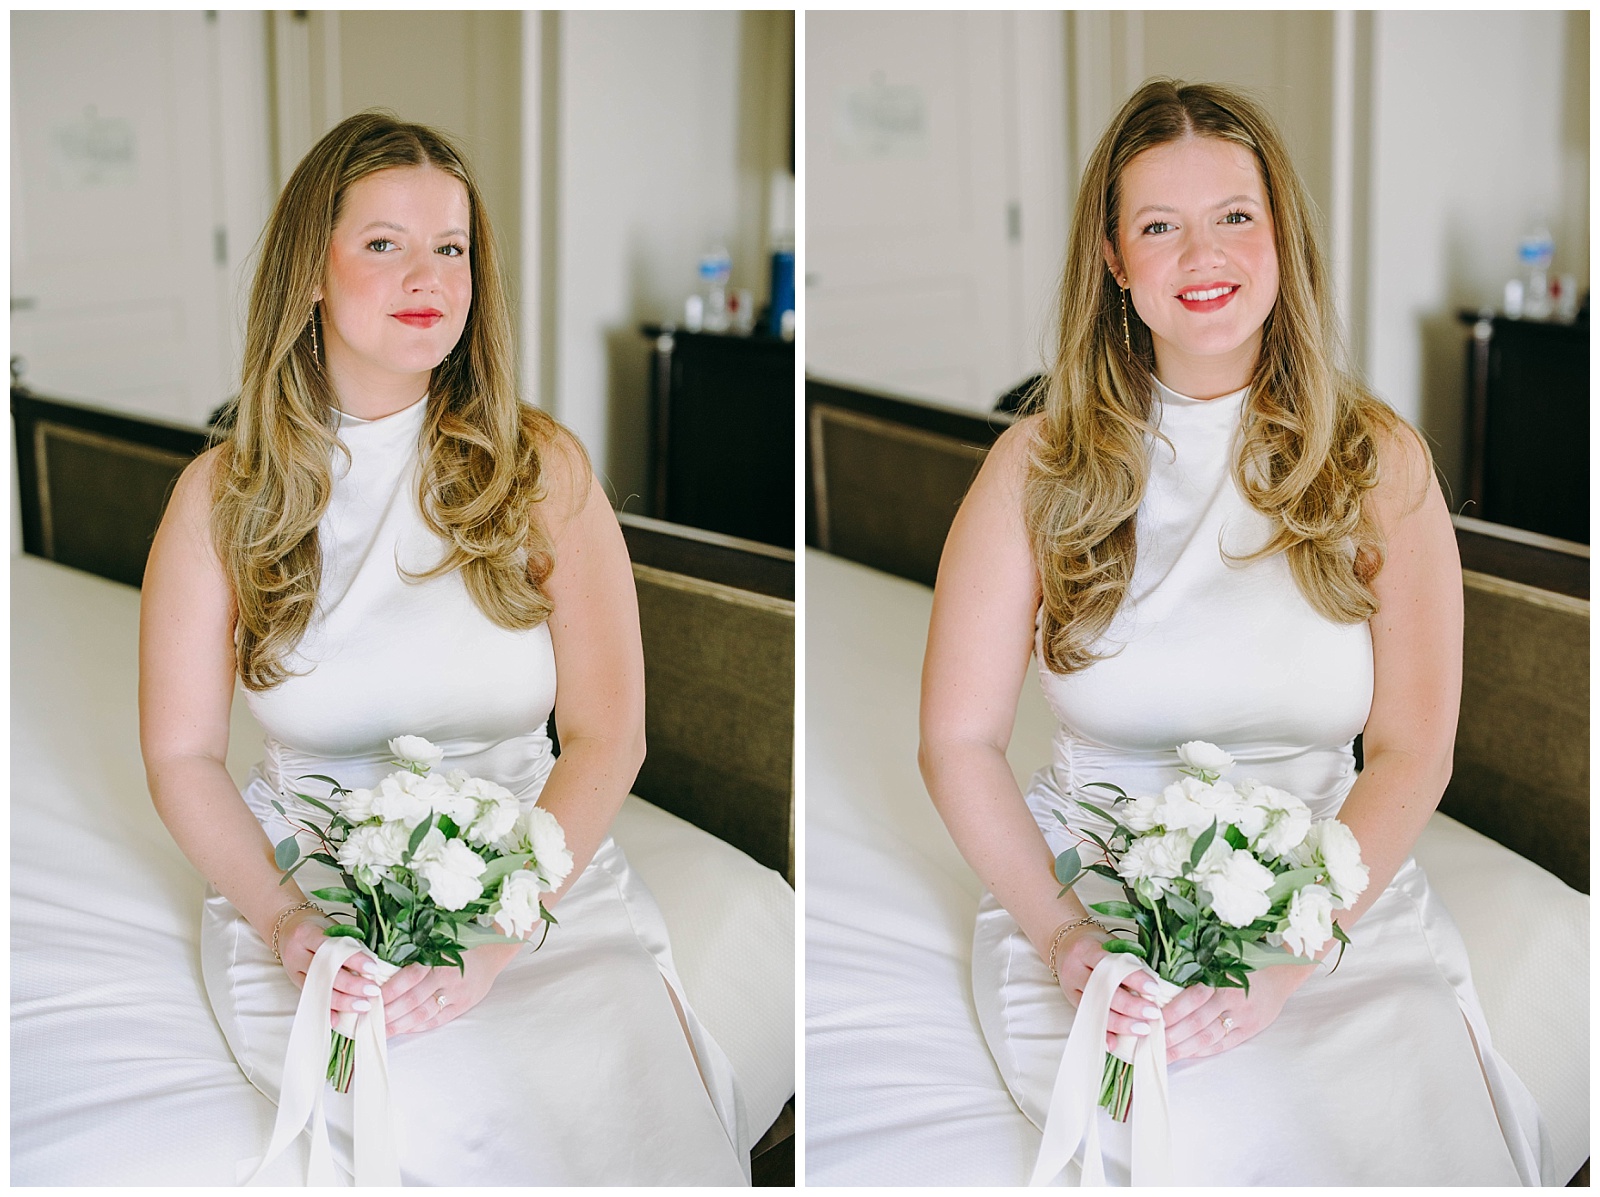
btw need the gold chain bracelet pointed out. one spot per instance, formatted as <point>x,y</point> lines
<point>1055,940</point>
<point>277,927</point>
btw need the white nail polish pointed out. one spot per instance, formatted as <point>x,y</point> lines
<point>1141,1028</point>
<point>1152,1012</point>
<point>361,1007</point>
<point>372,991</point>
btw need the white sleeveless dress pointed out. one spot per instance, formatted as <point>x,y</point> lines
<point>1381,1072</point>
<point>574,1068</point>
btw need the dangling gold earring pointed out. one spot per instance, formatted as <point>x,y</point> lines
<point>1127,341</point>
<point>316,344</point>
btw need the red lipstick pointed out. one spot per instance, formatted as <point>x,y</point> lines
<point>1213,300</point>
<point>420,317</point>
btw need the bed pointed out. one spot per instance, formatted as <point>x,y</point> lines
<point>900,1086</point>
<point>119,1072</point>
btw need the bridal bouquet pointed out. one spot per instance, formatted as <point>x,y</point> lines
<point>1219,881</point>
<point>431,866</point>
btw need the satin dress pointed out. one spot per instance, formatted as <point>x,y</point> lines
<point>1379,1072</point>
<point>574,1069</point>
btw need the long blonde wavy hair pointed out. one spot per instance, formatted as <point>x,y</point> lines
<point>481,446</point>
<point>1308,458</point>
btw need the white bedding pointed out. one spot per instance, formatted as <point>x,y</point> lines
<point>900,1087</point>
<point>119,1074</point>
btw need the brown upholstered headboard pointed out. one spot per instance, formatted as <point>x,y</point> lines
<point>717,614</point>
<point>886,475</point>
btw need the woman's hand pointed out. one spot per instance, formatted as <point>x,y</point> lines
<point>411,998</point>
<point>298,940</point>
<point>1133,1005</point>
<point>1196,1029</point>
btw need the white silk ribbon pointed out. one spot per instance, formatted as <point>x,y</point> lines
<point>1073,1118</point>
<point>305,1068</point>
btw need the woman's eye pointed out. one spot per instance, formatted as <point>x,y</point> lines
<point>452,251</point>
<point>381,245</point>
<point>1157,226</point>
<point>1237,217</point>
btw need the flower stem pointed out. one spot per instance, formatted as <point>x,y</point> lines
<point>342,1062</point>
<point>1116,1087</point>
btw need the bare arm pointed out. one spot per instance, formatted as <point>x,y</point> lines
<point>1416,655</point>
<point>599,663</point>
<point>980,639</point>
<point>186,678</point>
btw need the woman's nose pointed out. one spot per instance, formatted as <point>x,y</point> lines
<point>1202,249</point>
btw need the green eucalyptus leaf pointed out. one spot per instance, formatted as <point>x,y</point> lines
<point>278,806</point>
<point>324,858</point>
<point>287,852</point>
<point>1202,843</point>
<point>1235,838</point>
<point>1069,867</point>
<point>399,892</point>
<point>448,826</point>
<point>1060,818</point>
<point>547,916</point>
<point>318,804</point>
<point>337,788</point>
<point>1105,871</point>
<point>1182,907</point>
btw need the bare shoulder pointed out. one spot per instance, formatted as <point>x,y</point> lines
<point>189,509</point>
<point>1005,469</point>
<point>1406,482</point>
<point>566,478</point>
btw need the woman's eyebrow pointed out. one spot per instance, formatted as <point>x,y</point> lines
<point>400,228</point>
<point>1232,199</point>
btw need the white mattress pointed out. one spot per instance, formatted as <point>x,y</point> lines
<point>119,1074</point>
<point>900,1088</point>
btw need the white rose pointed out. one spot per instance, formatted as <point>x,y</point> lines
<point>496,817</point>
<point>1157,860</point>
<point>1334,847</point>
<point>1203,757</point>
<point>357,806</point>
<point>1237,883</point>
<point>446,801</point>
<point>415,753</point>
<point>1286,821</point>
<point>450,868</point>
<point>373,849</point>
<point>539,832</point>
<point>1310,920</point>
<point>1139,814</point>
<point>397,799</point>
<point>1178,810</point>
<point>517,910</point>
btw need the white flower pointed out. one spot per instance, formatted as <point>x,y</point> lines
<point>357,806</point>
<point>1310,920</point>
<point>537,831</point>
<point>373,849</point>
<point>1332,845</point>
<point>415,753</point>
<point>1237,883</point>
<point>450,868</point>
<point>496,816</point>
<point>1204,758</point>
<point>398,798</point>
<point>517,911</point>
<point>1157,860</point>
<point>1139,814</point>
<point>1193,805</point>
<point>1285,820</point>
<point>447,801</point>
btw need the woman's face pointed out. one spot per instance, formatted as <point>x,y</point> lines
<point>1195,247</point>
<point>399,281</point>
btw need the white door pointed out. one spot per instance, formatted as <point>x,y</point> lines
<point>120,287</point>
<point>916,280</point>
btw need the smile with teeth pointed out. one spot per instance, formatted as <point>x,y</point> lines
<point>1202,296</point>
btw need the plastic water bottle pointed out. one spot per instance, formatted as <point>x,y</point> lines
<point>715,268</point>
<point>1535,251</point>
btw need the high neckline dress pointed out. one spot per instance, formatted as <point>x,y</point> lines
<point>1381,1072</point>
<point>574,1068</point>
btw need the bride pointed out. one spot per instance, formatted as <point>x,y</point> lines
<point>1210,530</point>
<point>388,541</point>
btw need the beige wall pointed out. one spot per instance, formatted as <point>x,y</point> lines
<point>666,130</point>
